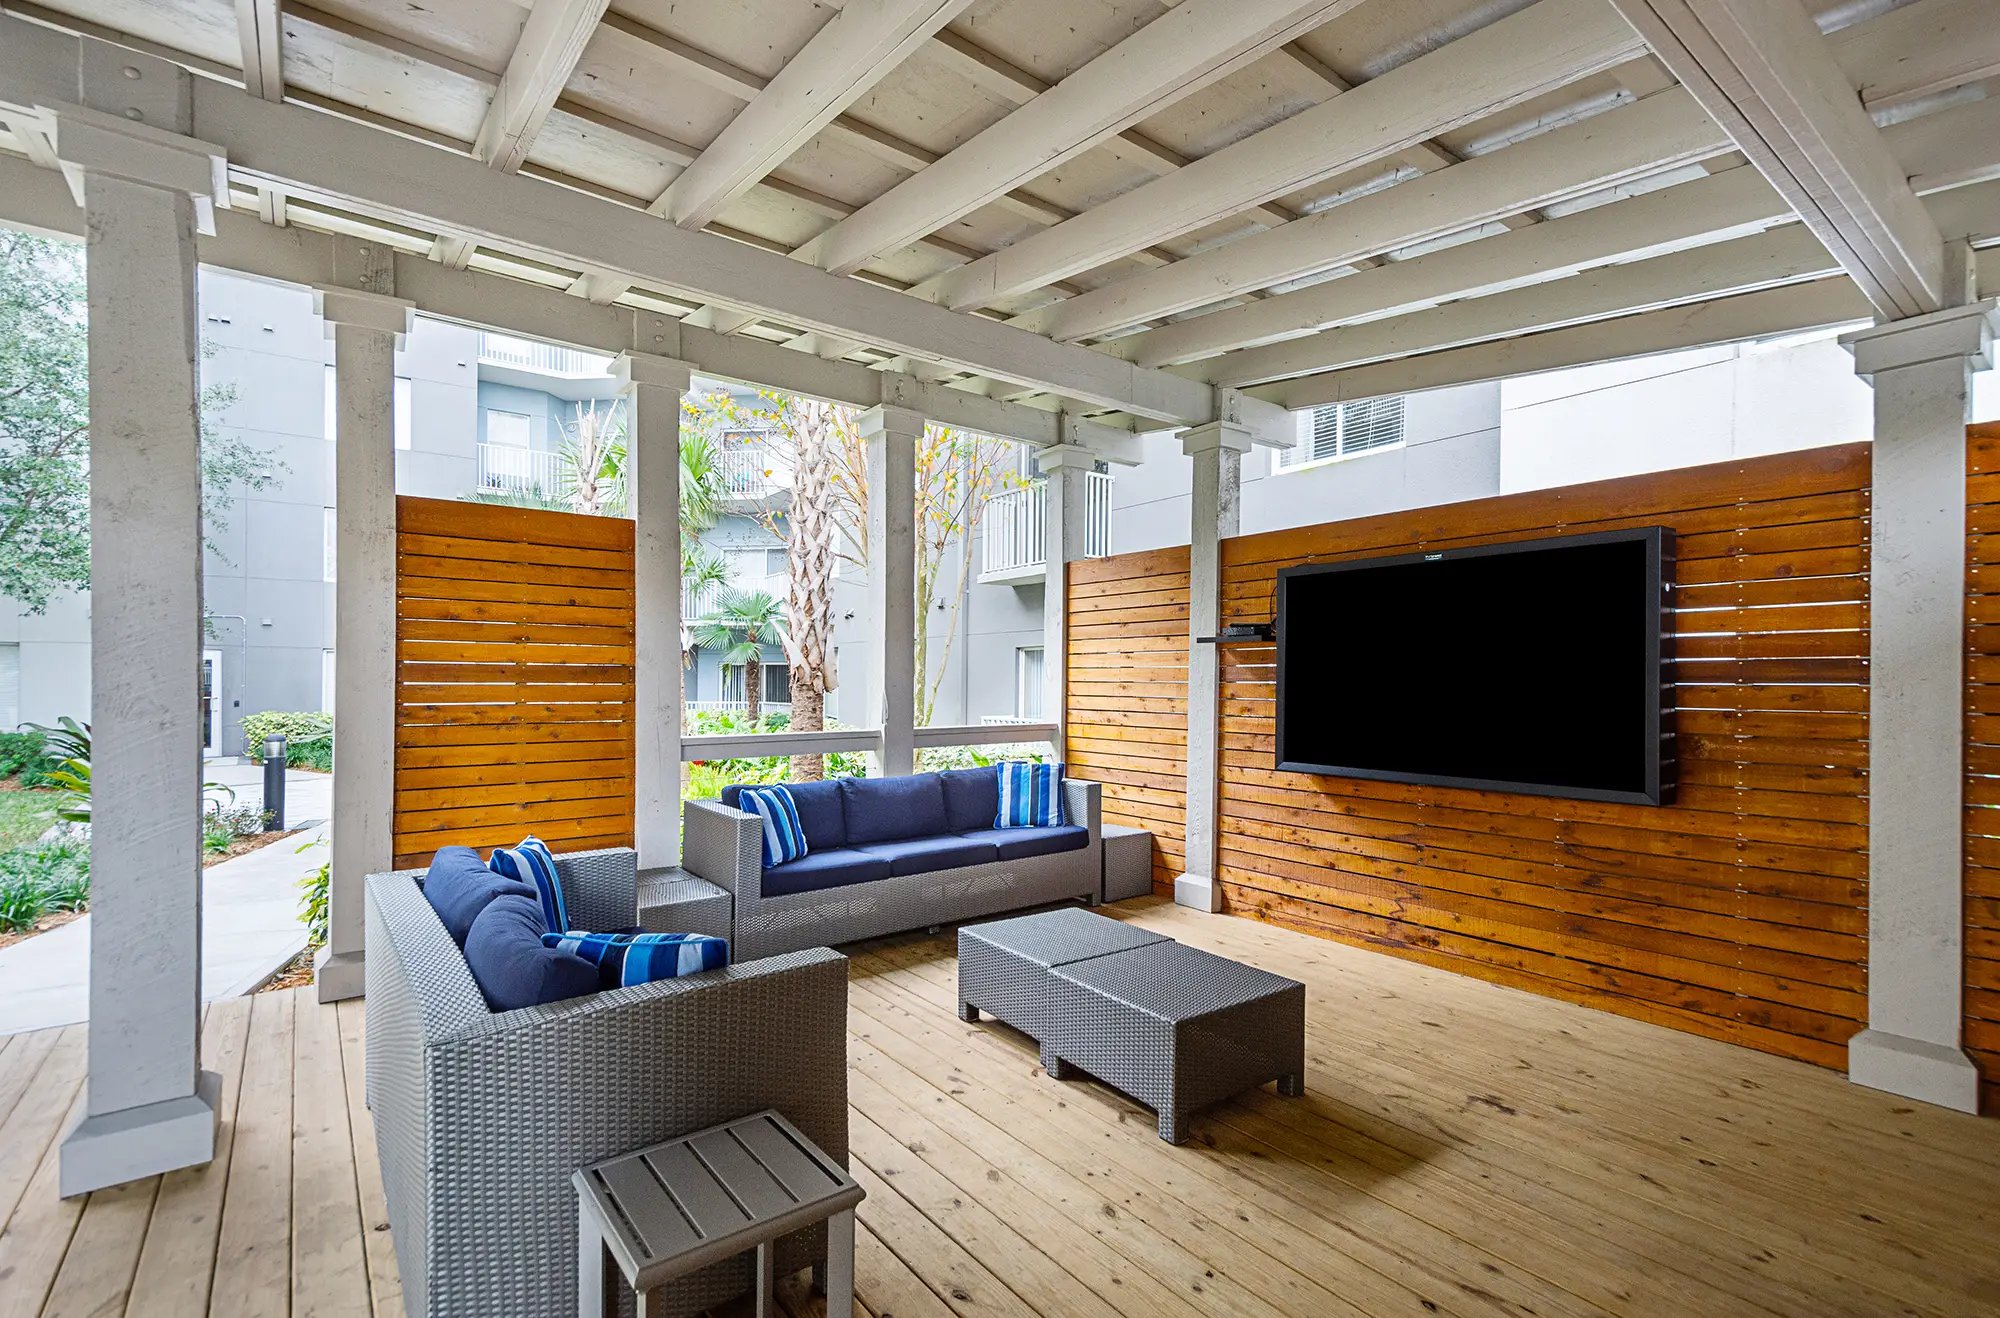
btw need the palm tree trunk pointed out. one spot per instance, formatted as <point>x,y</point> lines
<point>753,689</point>
<point>808,714</point>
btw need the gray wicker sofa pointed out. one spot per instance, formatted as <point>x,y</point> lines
<point>481,1116</point>
<point>975,877</point>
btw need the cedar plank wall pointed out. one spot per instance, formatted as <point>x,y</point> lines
<point>1738,913</point>
<point>513,678</point>
<point>1126,693</point>
<point>1982,756</point>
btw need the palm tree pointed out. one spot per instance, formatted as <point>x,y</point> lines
<point>747,621</point>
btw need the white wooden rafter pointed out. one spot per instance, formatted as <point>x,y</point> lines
<point>551,42</point>
<point>262,37</point>
<point>1761,68</point>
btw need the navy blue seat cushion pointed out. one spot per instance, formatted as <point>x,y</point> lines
<point>886,809</point>
<point>1021,843</point>
<point>971,798</point>
<point>509,963</point>
<point>921,855</point>
<point>459,886</point>
<point>819,870</point>
<point>819,807</point>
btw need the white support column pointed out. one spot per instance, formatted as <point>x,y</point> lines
<point>149,1107</point>
<point>653,387</point>
<point>1066,469</point>
<point>366,325</point>
<point>1216,450</point>
<point>1921,368</point>
<point>891,435</point>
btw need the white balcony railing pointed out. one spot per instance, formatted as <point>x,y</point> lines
<point>707,601</point>
<point>1017,526</point>
<point>510,469</point>
<point>1008,720</point>
<point>541,358</point>
<point>750,471</point>
<point>736,707</point>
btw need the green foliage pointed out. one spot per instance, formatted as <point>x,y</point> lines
<point>223,823</point>
<point>25,816</point>
<point>42,879</point>
<point>705,779</point>
<point>313,896</point>
<point>308,737</point>
<point>45,426</point>
<point>69,742</point>
<point>936,759</point>
<point>25,755</point>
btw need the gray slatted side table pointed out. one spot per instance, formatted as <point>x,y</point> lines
<point>1128,863</point>
<point>672,901</point>
<point>666,1211</point>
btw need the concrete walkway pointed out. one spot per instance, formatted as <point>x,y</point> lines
<point>249,916</point>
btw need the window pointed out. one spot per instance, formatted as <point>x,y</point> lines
<point>10,686</point>
<point>326,680</point>
<point>329,417</point>
<point>211,701</point>
<point>1343,430</point>
<point>732,683</point>
<point>1028,682</point>
<point>777,684</point>
<point>509,428</point>
<point>402,418</point>
<point>329,545</point>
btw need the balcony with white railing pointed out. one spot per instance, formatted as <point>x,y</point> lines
<point>538,358</point>
<point>749,469</point>
<point>511,469</point>
<point>706,602</point>
<point>1017,529</point>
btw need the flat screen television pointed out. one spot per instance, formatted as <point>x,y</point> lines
<point>1540,666</point>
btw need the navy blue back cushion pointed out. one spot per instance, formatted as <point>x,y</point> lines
<point>885,809</point>
<point>509,963</point>
<point>971,798</point>
<point>819,810</point>
<point>459,886</point>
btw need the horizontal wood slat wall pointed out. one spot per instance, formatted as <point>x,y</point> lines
<point>1739,913</point>
<point>514,694</point>
<point>1125,693</point>
<point>1982,759</point>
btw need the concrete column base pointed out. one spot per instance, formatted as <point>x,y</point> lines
<point>338,976</point>
<point>115,1147</point>
<point>1915,1068</point>
<point>1198,891</point>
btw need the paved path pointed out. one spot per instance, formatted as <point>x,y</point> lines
<point>249,917</point>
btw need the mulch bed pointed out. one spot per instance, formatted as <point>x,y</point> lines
<point>53,920</point>
<point>297,973</point>
<point>243,846</point>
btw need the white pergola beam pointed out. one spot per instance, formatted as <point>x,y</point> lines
<point>1761,68</point>
<point>262,38</point>
<point>1514,59</point>
<point>1620,144</point>
<point>1919,50</point>
<point>1180,52</point>
<point>857,48</point>
<point>551,42</point>
<point>314,155</point>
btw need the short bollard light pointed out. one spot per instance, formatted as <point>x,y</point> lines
<point>274,783</point>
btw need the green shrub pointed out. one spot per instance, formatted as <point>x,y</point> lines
<point>313,890</point>
<point>40,879</point>
<point>308,737</point>
<point>936,759</point>
<point>223,824</point>
<point>26,755</point>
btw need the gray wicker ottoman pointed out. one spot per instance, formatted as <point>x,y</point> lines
<point>672,901</point>
<point>1172,1026</point>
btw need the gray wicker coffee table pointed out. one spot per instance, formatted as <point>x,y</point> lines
<point>1172,1026</point>
<point>669,1210</point>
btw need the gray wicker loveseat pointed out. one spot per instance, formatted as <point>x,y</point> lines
<point>481,1116</point>
<point>885,857</point>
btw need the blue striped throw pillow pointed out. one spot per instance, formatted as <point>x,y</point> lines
<point>532,864</point>
<point>784,837</point>
<point>1030,795</point>
<point>623,960</point>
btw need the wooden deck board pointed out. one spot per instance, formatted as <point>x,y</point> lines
<point>1463,1149</point>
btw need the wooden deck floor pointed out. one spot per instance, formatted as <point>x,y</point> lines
<point>1464,1149</point>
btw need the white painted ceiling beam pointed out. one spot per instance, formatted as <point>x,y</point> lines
<point>1573,160</point>
<point>551,42</point>
<point>262,39</point>
<point>1919,50</point>
<point>1514,59</point>
<point>857,48</point>
<point>1956,146</point>
<point>1183,50</point>
<point>1761,68</point>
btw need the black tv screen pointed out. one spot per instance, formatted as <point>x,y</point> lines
<point>1539,666</point>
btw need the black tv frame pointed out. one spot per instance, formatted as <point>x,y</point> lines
<point>1662,768</point>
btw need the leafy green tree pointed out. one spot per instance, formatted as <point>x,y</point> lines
<point>747,621</point>
<point>45,427</point>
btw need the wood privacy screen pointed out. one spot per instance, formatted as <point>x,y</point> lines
<point>1982,760</point>
<point>513,678</point>
<point>1739,912</point>
<point>1126,693</point>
